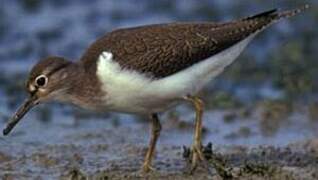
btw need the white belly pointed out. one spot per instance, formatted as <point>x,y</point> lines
<point>132,92</point>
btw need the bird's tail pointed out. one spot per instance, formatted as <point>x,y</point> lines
<point>268,18</point>
<point>274,14</point>
<point>291,13</point>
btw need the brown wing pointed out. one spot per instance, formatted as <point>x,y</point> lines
<point>164,49</point>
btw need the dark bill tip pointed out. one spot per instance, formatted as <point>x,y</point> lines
<point>26,106</point>
<point>10,125</point>
<point>6,131</point>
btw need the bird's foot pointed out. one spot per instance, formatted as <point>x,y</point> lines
<point>146,168</point>
<point>206,158</point>
<point>195,158</point>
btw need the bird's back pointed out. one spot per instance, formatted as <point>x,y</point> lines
<point>164,49</point>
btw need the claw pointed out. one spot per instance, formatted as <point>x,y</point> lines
<point>146,168</point>
<point>198,158</point>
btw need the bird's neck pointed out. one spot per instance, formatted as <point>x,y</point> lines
<point>85,88</point>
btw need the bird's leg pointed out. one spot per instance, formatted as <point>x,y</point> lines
<point>197,154</point>
<point>155,132</point>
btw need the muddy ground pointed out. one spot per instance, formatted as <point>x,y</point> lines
<point>261,144</point>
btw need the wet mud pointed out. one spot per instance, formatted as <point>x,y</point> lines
<point>113,146</point>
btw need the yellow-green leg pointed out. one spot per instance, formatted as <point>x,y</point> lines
<point>197,154</point>
<point>155,132</point>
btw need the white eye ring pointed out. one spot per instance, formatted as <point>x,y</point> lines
<point>41,81</point>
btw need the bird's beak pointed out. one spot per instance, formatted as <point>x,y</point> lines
<point>26,106</point>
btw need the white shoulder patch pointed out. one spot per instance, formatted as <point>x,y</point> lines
<point>110,72</point>
<point>123,87</point>
<point>108,56</point>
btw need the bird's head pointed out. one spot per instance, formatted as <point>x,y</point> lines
<point>48,80</point>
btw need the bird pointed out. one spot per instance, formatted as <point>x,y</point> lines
<point>147,70</point>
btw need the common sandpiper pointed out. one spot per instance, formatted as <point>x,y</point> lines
<point>146,70</point>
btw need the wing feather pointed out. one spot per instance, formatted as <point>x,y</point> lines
<point>164,49</point>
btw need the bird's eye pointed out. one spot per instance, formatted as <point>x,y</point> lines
<point>41,81</point>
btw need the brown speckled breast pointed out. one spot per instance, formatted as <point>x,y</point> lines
<point>164,49</point>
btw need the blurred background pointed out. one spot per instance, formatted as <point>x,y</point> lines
<point>267,96</point>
